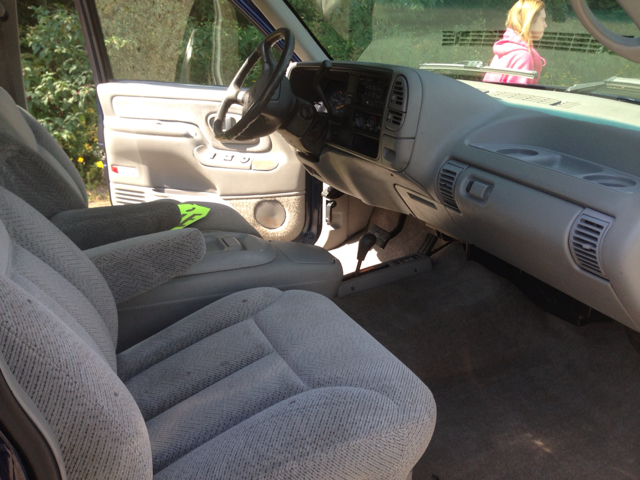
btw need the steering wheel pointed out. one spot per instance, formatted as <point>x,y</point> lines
<point>628,48</point>
<point>255,100</point>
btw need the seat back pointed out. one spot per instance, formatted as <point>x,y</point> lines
<point>32,164</point>
<point>58,328</point>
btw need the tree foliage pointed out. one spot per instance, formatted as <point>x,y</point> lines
<point>215,46</point>
<point>59,84</point>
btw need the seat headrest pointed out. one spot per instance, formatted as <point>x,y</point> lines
<point>13,123</point>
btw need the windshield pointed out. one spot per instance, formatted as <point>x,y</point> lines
<point>473,33</point>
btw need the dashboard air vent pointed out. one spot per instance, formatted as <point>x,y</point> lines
<point>394,120</point>
<point>447,181</point>
<point>399,94</point>
<point>125,196</point>
<point>585,240</point>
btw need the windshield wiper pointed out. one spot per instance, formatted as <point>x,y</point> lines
<point>612,83</point>
<point>476,66</point>
<point>609,96</point>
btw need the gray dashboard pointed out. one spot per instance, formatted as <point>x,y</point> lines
<point>555,195</point>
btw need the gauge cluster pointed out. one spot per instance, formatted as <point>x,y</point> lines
<point>356,101</point>
<point>336,100</point>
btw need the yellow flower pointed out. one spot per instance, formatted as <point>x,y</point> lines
<point>80,160</point>
<point>99,164</point>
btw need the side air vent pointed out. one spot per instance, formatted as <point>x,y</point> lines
<point>447,181</point>
<point>585,241</point>
<point>124,196</point>
<point>399,94</point>
<point>394,120</point>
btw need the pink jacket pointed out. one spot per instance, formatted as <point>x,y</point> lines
<point>513,52</point>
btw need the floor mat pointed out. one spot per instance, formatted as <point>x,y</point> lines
<point>520,393</point>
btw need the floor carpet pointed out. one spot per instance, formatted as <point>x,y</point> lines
<point>521,394</point>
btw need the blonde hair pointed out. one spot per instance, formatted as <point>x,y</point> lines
<point>521,16</point>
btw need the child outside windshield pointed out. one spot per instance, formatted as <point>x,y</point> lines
<point>525,24</point>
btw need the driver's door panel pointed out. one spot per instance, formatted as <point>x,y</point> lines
<point>163,70</point>
<point>160,144</point>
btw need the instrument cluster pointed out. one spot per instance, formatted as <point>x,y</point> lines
<point>355,101</point>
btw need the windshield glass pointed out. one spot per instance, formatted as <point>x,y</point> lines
<point>559,51</point>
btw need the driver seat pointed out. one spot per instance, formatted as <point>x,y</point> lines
<point>34,167</point>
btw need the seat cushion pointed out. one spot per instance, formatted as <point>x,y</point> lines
<point>40,183</point>
<point>19,126</point>
<point>265,383</point>
<point>49,148</point>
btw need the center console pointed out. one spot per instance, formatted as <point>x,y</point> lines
<point>233,262</point>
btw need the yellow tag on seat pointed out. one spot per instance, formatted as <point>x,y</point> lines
<point>191,213</point>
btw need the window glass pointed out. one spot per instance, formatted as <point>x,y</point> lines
<point>200,42</point>
<point>414,32</point>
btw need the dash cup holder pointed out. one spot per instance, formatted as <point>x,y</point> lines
<point>523,152</point>
<point>560,162</point>
<point>614,181</point>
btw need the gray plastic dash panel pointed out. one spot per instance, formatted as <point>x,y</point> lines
<point>567,164</point>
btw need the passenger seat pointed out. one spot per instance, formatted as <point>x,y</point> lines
<point>260,384</point>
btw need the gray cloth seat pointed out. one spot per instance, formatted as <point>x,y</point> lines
<point>34,167</point>
<point>261,384</point>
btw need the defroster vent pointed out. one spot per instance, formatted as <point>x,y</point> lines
<point>447,181</point>
<point>586,238</point>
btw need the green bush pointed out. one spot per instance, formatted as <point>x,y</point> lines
<point>59,85</point>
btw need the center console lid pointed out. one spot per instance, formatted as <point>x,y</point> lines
<point>233,262</point>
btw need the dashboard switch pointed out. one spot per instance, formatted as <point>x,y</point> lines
<point>479,190</point>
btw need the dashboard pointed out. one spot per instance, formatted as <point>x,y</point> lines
<point>355,101</point>
<point>547,181</point>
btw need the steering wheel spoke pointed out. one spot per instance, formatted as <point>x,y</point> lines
<point>225,105</point>
<point>256,99</point>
